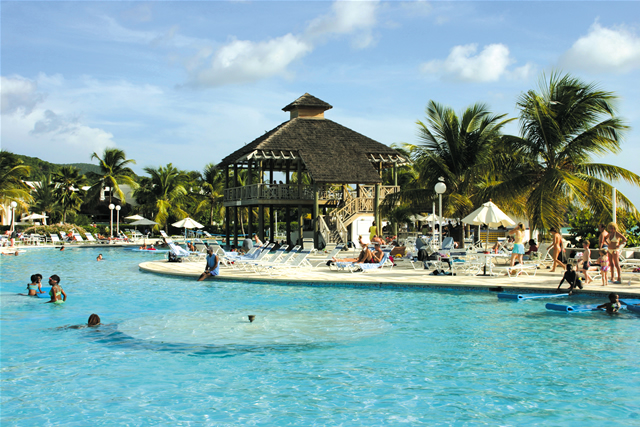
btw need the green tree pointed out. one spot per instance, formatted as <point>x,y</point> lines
<point>212,191</point>
<point>114,170</point>
<point>68,189</point>
<point>564,126</point>
<point>13,172</point>
<point>460,150</point>
<point>44,198</point>
<point>167,192</point>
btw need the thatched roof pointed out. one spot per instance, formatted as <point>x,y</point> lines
<point>331,153</point>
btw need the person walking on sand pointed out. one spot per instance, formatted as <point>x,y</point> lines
<point>615,242</point>
<point>557,249</point>
<point>518,246</point>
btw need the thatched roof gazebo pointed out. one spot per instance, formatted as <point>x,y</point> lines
<point>312,149</point>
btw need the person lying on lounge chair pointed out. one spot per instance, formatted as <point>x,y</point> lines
<point>366,256</point>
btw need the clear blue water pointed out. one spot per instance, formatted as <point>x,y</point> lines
<point>176,352</point>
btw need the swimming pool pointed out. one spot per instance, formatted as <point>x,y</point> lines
<point>177,352</point>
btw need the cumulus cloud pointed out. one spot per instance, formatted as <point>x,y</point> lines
<point>34,123</point>
<point>604,49</point>
<point>243,61</point>
<point>347,17</point>
<point>19,95</point>
<point>464,64</point>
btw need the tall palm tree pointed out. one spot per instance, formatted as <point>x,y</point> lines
<point>114,170</point>
<point>460,150</point>
<point>13,172</point>
<point>564,126</point>
<point>44,197</point>
<point>212,189</point>
<point>167,192</point>
<point>68,192</point>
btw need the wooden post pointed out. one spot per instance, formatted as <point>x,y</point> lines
<point>376,209</point>
<point>235,209</point>
<point>250,210</point>
<point>272,222</point>
<point>316,214</point>
<point>287,219</point>
<point>300,236</point>
<point>261,222</point>
<point>299,178</point>
<point>227,213</point>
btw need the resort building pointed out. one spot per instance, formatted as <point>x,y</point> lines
<point>323,169</point>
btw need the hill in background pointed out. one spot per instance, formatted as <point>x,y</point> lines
<point>40,167</point>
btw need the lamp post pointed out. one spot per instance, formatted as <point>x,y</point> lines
<point>440,188</point>
<point>118,220</point>
<point>111,206</point>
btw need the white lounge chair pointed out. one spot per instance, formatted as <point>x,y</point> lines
<point>90,237</point>
<point>54,238</point>
<point>362,267</point>
<point>331,254</point>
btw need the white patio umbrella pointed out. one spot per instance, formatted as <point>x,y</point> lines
<point>187,223</point>
<point>35,216</point>
<point>135,217</point>
<point>490,215</point>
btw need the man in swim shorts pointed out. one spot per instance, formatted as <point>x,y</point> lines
<point>213,266</point>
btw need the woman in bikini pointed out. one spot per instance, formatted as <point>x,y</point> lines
<point>556,249</point>
<point>615,242</point>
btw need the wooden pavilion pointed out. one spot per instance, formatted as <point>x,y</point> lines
<point>319,159</point>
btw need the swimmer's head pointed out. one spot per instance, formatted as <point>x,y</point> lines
<point>613,297</point>
<point>55,278</point>
<point>252,317</point>
<point>39,276</point>
<point>34,278</point>
<point>94,320</point>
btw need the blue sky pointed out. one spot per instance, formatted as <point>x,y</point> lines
<point>190,82</point>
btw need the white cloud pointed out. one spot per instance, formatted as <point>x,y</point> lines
<point>604,50</point>
<point>19,95</point>
<point>243,61</point>
<point>463,63</point>
<point>347,17</point>
<point>37,124</point>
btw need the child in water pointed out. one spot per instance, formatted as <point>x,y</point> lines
<point>613,305</point>
<point>604,266</point>
<point>572,278</point>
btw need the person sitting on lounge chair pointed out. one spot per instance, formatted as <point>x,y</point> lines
<point>366,256</point>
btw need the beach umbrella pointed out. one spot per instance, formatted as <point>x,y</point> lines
<point>135,217</point>
<point>34,216</point>
<point>144,221</point>
<point>488,214</point>
<point>187,223</point>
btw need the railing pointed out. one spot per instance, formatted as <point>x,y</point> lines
<point>292,192</point>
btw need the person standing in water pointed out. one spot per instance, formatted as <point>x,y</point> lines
<point>35,287</point>
<point>613,305</point>
<point>58,296</point>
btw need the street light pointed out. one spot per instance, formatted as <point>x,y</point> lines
<point>111,206</point>
<point>440,188</point>
<point>118,220</point>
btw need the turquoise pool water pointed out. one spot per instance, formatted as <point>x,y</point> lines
<point>177,352</point>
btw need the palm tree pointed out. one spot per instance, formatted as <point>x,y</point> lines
<point>167,192</point>
<point>13,172</point>
<point>113,172</point>
<point>212,189</point>
<point>460,150</point>
<point>44,197</point>
<point>563,126</point>
<point>68,191</point>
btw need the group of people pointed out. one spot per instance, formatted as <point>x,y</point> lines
<point>57,294</point>
<point>611,242</point>
<point>366,256</point>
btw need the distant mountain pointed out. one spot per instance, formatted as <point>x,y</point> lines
<point>40,167</point>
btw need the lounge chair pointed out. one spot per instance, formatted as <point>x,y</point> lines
<point>54,238</point>
<point>331,254</point>
<point>90,237</point>
<point>297,262</point>
<point>77,237</point>
<point>362,267</point>
<point>182,253</point>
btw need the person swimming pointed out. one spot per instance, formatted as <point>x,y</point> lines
<point>613,305</point>
<point>94,320</point>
